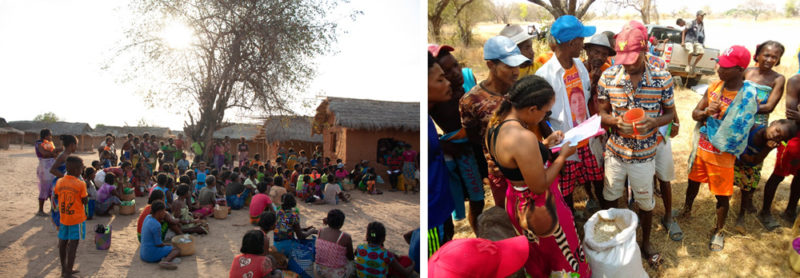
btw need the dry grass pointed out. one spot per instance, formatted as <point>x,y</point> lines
<point>757,253</point>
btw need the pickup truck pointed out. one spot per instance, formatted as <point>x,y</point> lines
<point>675,55</point>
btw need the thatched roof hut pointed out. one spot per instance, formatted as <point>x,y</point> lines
<point>82,131</point>
<point>360,129</point>
<point>289,132</point>
<point>123,131</point>
<point>9,135</point>
<point>237,131</point>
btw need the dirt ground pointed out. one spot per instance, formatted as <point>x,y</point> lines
<point>758,253</point>
<point>28,243</point>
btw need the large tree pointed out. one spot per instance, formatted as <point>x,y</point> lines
<point>251,55</point>
<point>48,117</point>
<point>646,8</point>
<point>441,12</point>
<point>565,7</point>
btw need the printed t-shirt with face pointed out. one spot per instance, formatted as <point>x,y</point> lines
<point>70,190</point>
<point>577,99</point>
<point>249,265</point>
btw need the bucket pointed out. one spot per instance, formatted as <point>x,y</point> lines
<point>634,116</point>
<point>221,212</point>
<point>103,240</point>
<point>187,247</point>
<point>127,210</point>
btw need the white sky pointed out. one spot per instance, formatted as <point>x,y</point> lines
<point>52,51</point>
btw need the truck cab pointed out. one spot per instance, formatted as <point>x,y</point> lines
<point>675,55</point>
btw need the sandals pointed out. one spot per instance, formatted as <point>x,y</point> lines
<point>739,227</point>
<point>674,230</point>
<point>769,222</point>
<point>41,213</point>
<point>168,265</point>
<point>654,260</point>
<point>717,242</point>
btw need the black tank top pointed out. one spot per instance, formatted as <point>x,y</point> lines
<point>513,174</point>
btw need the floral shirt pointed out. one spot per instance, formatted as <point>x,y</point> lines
<point>286,220</point>
<point>653,94</point>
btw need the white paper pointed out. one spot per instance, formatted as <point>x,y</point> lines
<point>583,131</point>
<point>700,89</point>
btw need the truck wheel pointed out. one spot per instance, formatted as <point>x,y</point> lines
<point>691,82</point>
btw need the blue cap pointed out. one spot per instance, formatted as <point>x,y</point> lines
<point>567,28</point>
<point>503,49</point>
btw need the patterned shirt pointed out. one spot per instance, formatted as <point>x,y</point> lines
<point>284,230</point>
<point>477,108</point>
<point>653,93</point>
<point>372,261</point>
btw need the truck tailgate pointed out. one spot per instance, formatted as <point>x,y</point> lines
<point>676,57</point>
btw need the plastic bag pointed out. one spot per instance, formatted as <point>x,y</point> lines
<point>128,203</point>
<point>619,256</point>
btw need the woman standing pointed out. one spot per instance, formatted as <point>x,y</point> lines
<point>46,153</point>
<point>243,152</point>
<point>533,200</point>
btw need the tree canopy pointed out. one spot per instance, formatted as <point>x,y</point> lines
<point>253,55</point>
<point>48,117</point>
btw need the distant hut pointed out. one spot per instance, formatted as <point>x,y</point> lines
<point>362,129</point>
<point>82,131</point>
<point>250,132</point>
<point>9,135</point>
<point>290,132</point>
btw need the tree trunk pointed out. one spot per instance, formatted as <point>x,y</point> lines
<point>436,20</point>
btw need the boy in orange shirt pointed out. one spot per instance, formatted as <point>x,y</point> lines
<point>72,196</point>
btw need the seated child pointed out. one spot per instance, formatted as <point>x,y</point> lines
<point>207,198</point>
<point>303,191</point>
<point>153,249</point>
<point>200,173</point>
<point>189,223</point>
<point>253,261</point>
<point>260,202</point>
<point>372,259</point>
<point>334,248</point>
<point>276,190</point>
<point>236,193</point>
<point>155,196</point>
<point>107,196</point>
<point>333,192</point>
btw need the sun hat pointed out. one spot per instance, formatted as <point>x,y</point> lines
<point>629,43</point>
<point>601,40</point>
<point>503,49</point>
<point>567,28</point>
<point>478,257</point>
<point>516,33</point>
<point>736,55</point>
<point>701,12</point>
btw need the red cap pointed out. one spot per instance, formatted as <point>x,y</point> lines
<point>435,48</point>
<point>629,42</point>
<point>478,257</point>
<point>652,39</point>
<point>736,55</point>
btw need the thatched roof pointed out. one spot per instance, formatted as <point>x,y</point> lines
<point>57,128</point>
<point>10,130</point>
<point>287,128</point>
<point>122,131</point>
<point>372,114</point>
<point>3,122</point>
<point>236,131</point>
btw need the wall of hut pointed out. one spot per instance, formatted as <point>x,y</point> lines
<point>355,145</point>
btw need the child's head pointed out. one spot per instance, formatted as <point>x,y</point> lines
<point>170,182</point>
<point>781,130</point>
<point>88,174</point>
<point>288,201</point>
<point>190,174</point>
<point>318,181</point>
<point>234,177</point>
<point>45,134</point>
<point>262,187</point>
<point>306,171</point>
<point>211,181</point>
<point>74,166</point>
<point>183,156</point>
<point>156,195</point>
<point>96,164</point>
<point>376,233</point>
<point>287,172</point>
<point>159,210</point>
<point>306,179</point>
<point>333,179</point>
<point>680,22</point>
<point>267,221</point>
<point>185,179</point>
<point>335,219</point>
<point>261,168</point>
<point>201,165</point>
<point>297,167</point>
<point>126,166</point>
<point>253,243</point>
<point>252,173</point>
<point>109,179</point>
<point>70,143</point>
<point>214,172</point>
<point>257,157</point>
<point>161,179</point>
<point>278,181</point>
<point>182,191</point>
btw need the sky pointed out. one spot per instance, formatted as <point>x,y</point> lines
<point>53,51</point>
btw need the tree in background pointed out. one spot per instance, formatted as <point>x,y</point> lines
<point>468,16</point>
<point>565,7</point>
<point>251,55</point>
<point>755,8</point>
<point>502,11</point>
<point>646,8</point>
<point>441,12</point>
<point>792,8</point>
<point>48,117</point>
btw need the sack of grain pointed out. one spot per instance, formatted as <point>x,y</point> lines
<point>610,244</point>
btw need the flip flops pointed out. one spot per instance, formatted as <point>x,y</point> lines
<point>674,230</point>
<point>769,222</point>
<point>717,242</point>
